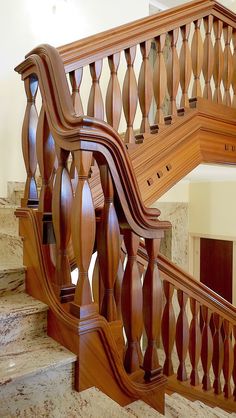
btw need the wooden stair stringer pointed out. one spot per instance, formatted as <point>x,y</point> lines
<point>206,134</point>
<point>91,338</point>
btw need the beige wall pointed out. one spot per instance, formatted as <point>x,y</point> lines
<point>212,208</point>
<point>27,23</point>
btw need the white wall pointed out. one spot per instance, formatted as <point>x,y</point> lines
<point>27,23</point>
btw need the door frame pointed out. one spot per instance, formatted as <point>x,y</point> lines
<point>194,257</point>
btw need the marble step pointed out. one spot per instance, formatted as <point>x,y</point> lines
<point>196,408</point>
<point>9,223</point>
<point>38,374</point>
<point>12,279</point>
<point>22,319</point>
<point>140,409</point>
<point>11,250</point>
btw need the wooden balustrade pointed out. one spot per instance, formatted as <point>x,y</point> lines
<point>145,89</point>
<point>208,57</point>
<point>197,58</point>
<point>168,328</point>
<point>108,246</point>
<point>185,62</point>
<point>234,68</point>
<point>131,304</point>
<point>130,94</point>
<point>46,160</point>
<point>218,353</point>
<point>228,358</point>
<point>152,309</point>
<point>195,341</point>
<point>173,72</point>
<point>83,225</point>
<point>29,140</point>
<point>182,336</point>
<point>160,78</point>
<point>61,213</point>
<point>228,65</point>
<point>218,60</point>
<point>74,213</point>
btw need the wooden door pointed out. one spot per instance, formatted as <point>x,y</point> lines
<point>216,266</point>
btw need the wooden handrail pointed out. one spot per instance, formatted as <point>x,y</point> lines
<point>199,291</point>
<point>80,53</point>
<point>88,134</point>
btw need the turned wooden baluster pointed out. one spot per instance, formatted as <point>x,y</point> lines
<point>118,282</point>
<point>29,140</point>
<point>83,232</point>
<point>234,69</point>
<point>46,160</point>
<point>61,215</point>
<point>228,65</point>
<point>234,369</point>
<point>228,358</point>
<point>75,80</point>
<point>131,304</point>
<point>108,242</point>
<point>218,61</point>
<point>160,78</point>
<point>168,328</point>
<point>208,57</point>
<point>111,270</point>
<point>195,339</point>
<point>218,353</point>
<point>173,72</point>
<point>95,102</point>
<point>207,347</point>
<point>197,59</point>
<point>145,89</point>
<point>113,96</point>
<point>182,335</point>
<point>130,94</point>
<point>185,61</point>
<point>152,309</point>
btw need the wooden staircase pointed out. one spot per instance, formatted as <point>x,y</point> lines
<point>133,288</point>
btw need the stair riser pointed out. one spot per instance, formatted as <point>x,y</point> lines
<point>12,281</point>
<point>11,249</point>
<point>37,392</point>
<point>16,331</point>
<point>8,222</point>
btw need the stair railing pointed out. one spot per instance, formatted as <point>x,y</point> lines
<point>197,334</point>
<point>61,134</point>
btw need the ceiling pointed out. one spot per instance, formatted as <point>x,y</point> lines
<point>210,173</point>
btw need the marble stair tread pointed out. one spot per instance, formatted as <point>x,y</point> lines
<point>181,407</point>
<point>19,304</point>
<point>38,355</point>
<point>90,403</point>
<point>140,409</point>
<point>205,409</point>
<point>12,279</point>
<point>199,409</point>
<point>11,249</point>
<point>9,224</point>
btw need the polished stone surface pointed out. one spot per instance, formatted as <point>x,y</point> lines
<point>22,318</point>
<point>12,279</point>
